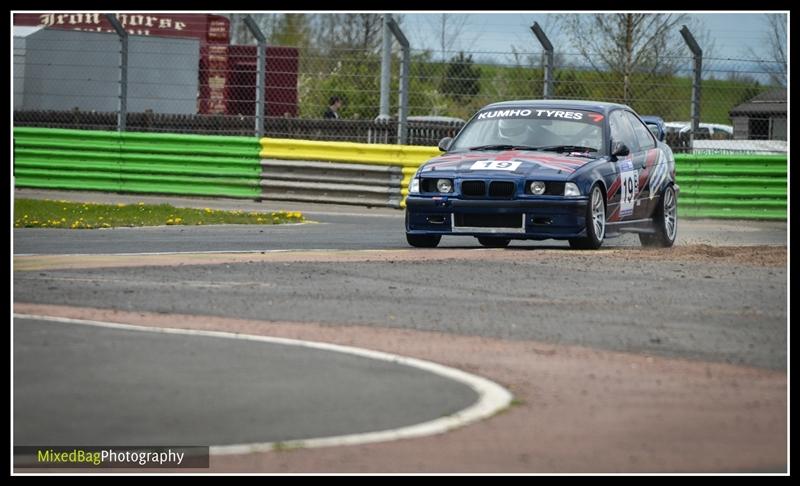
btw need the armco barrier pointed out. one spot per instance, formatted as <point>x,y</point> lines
<point>301,180</point>
<point>732,186</point>
<point>340,172</point>
<point>712,186</point>
<point>137,162</point>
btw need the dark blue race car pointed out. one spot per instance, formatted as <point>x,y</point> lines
<point>570,170</point>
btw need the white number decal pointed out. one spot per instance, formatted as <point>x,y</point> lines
<point>494,165</point>
<point>630,186</point>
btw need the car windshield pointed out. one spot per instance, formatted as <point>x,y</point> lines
<point>532,128</point>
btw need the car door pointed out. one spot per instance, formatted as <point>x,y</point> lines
<point>646,158</point>
<point>623,201</point>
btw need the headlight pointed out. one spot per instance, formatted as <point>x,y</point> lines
<point>444,185</point>
<point>413,186</point>
<point>571,189</point>
<point>537,188</point>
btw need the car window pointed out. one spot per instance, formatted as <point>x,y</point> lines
<point>533,127</point>
<point>643,135</point>
<point>653,129</point>
<point>621,130</point>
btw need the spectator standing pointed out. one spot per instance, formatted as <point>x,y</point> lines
<point>333,109</point>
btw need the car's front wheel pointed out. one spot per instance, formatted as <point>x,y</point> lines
<point>665,221</point>
<point>595,222</point>
<point>493,242</point>
<point>423,241</point>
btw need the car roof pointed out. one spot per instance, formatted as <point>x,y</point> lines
<point>434,118</point>
<point>702,124</point>
<point>598,106</point>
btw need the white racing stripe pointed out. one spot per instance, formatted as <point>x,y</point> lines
<point>491,396</point>
<point>208,252</point>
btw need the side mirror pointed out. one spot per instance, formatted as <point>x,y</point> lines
<point>619,149</point>
<point>444,143</point>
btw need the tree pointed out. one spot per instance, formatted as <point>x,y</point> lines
<point>293,30</point>
<point>361,31</point>
<point>449,29</point>
<point>626,44</point>
<point>461,80</point>
<point>776,42</point>
<point>347,60</point>
<point>240,34</point>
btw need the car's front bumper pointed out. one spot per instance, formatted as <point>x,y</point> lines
<point>539,218</point>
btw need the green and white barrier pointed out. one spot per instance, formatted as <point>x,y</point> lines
<point>712,186</point>
<point>732,186</point>
<point>137,162</point>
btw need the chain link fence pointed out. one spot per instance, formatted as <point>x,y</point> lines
<point>86,80</point>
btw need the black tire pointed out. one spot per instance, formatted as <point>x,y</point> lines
<point>595,207</point>
<point>493,241</point>
<point>665,221</point>
<point>423,241</point>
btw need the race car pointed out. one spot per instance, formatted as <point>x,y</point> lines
<point>580,171</point>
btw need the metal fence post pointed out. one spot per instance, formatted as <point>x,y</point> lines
<point>386,68</point>
<point>548,59</point>
<point>122,109</point>
<point>405,71</point>
<point>698,76</point>
<point>261,73</point>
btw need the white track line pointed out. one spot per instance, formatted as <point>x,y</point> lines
<point>205,252</point>
<point>491,396</point>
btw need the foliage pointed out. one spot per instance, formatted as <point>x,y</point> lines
<point>35,213</point>
<point>461,79</point>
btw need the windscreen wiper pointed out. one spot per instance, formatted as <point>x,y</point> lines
<point>570,148</point>
<point>503,147</point>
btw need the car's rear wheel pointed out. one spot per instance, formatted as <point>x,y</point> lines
<point>493,242</point>
<point>423,241</point>
<point>595,222</point>
<point>665,221</point>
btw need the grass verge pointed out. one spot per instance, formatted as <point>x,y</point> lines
<point>38,213</point>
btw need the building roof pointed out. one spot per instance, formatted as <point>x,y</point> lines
<point>768,102</point>
<point>25,31</point>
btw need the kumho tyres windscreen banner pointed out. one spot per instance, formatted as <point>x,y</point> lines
<point>156,163</point>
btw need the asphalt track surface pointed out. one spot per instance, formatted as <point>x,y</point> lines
<point>336,227</point>
<point>541,291</point>
<point>84,385</point>
<point>703,309</point>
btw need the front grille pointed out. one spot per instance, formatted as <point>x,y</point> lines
<point>489,220</point>
<point>473,188</point>
<point>501,189</point>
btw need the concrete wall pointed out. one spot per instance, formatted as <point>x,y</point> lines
<point>19,71</point>
<point>66,69</point>
<point>163,74</point>
<point>740,128</point>
<point>778,129</point>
